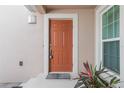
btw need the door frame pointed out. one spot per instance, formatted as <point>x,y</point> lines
<point>74,18</point>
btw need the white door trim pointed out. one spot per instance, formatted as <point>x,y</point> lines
<point>74,18</point>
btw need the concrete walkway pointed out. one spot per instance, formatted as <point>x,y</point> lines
<point>41,82</point>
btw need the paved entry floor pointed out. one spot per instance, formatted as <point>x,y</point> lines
<point>41,82</point>
<point>9,85</point>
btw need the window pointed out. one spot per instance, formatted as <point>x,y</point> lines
<point>110,39</point>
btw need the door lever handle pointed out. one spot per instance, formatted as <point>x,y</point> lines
<point>51,55</point>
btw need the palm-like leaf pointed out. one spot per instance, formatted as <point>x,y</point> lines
<point>114,80</point>
<point>91,78</point>
<point>89,72</point>
<point>80,83</point>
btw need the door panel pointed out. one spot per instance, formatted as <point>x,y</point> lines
<point>60,46</point>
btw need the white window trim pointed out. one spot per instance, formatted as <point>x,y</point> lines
<point>98,35</point>
<point>98,53</point>
<point>113,39</point>
<point>99,9</point>
<point>107,40</point>
<point>122,45</point>
<point>74,18</point>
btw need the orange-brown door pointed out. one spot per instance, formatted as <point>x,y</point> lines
<point>60,46</point>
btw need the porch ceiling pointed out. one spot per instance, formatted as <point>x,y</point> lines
<point>47,8</point>
<point>51,7</point>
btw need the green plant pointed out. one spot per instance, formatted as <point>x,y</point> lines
<point>91,78</point>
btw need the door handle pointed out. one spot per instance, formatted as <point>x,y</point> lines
<point>51,55</point>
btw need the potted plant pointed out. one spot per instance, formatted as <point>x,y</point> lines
<point>92,78</point>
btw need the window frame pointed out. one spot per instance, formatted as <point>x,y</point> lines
<point>111,72</point>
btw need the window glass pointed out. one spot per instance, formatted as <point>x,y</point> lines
<point>110,23</point>
<point>111,46</point>
<point>116,28</point>
<point>110,31</point>
<point>111,55</point>
<point>116,12</point>
<point>105,32</point>
<point>110,16</point>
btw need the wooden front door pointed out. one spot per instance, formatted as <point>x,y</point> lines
<point>60,56</point>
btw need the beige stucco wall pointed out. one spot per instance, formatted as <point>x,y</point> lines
<point>86,33</point>
<point>20,41</point>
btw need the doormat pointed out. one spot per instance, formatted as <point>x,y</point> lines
<point>58,76</point>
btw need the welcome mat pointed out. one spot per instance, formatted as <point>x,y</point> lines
<point>58,76</point>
